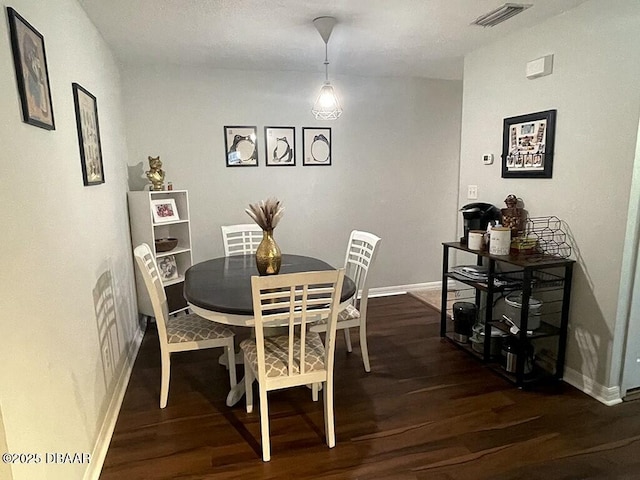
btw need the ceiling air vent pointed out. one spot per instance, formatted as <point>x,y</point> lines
<point>500,14</point>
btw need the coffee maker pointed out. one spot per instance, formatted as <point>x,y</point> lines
<point>477,216</point>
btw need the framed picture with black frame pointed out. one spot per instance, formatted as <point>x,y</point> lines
<point>86,107</point>
<point>30,61</point>
<point>280,146</point>
<point>316,145</point>
<point>241,146</point>
<point>527,145</point>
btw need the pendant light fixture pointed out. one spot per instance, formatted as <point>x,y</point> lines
<point>327,106</point>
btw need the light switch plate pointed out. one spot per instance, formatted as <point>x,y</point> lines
<point>472,192</point>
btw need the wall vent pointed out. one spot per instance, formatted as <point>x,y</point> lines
<point>500,14</point>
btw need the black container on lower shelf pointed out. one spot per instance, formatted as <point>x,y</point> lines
<point>464,317</point>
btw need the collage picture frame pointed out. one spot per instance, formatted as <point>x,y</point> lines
<point>528,144</point>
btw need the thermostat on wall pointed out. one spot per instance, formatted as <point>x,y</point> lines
<point>487,158</point>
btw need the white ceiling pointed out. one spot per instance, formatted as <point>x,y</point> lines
<point>423,38</point>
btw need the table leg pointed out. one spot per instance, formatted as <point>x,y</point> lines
<point>236,393</point>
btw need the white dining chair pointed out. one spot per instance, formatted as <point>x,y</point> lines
<point>241,239</point>
<point>183,332</point>
<point>361,254</point>
<point>296,357</point>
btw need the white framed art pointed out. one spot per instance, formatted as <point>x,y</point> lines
<point>164,210</point>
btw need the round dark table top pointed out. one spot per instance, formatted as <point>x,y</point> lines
<point>224,284</point>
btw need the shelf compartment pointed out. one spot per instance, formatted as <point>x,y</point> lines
<point>544,330</point>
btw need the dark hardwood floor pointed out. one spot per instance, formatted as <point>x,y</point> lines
<point>427,410</point>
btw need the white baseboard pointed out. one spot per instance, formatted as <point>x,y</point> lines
<point>108,425</point>
<point>402,289</point>
<point>608,395</point>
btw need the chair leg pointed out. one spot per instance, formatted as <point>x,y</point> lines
<point>329,423</point>
<point>231,356</point>
<point>164,382</point>
<point>315,387</point>
<point>264,424</point>
<point>248,386</point>
<point>364,348</point>
<point>347,339</point>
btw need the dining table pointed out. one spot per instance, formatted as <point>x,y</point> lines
<point>220,290</point>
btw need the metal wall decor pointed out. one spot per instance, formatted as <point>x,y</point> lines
<point>30,62</point>
<point>241,146</point>
<point>316,144</point>
<point>527,145</point>
<point>86,108</point>
<point>280,146</point>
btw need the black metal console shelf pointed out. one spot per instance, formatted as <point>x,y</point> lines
<point>534,274</point>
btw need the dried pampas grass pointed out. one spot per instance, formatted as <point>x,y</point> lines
<point>266,213</point>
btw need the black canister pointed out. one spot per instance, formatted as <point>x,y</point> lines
<point>511,348</point>
<point>464,317</point>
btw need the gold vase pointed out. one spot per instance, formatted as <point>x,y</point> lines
<point>268,255</point>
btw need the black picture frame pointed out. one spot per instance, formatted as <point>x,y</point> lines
<point>528,144</point>
<point>86,107</point>
<point>241,146</point>
<point>32,74</point>
<point>316,145</point>
<point>280,146</point>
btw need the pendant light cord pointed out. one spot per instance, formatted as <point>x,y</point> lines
<point>326,63</point>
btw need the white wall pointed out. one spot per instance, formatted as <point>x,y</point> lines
<point>59,238</point>
<point>594,87</point>
<point>394,172</point>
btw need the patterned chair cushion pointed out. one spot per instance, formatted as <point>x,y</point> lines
<point>276,350</point>
<point>348,313</point>
<point>191,328</point>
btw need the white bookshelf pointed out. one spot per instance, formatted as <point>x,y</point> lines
<point>145,230</point>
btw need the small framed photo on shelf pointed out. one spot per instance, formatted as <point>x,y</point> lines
<point>88,136</point>
<point>167,268</point>
<point>280,146</point>
<point>241,146</point>
<point>30,62</point>
<point>316,144</point>
<point>164,210</point>
<point>527,145</point>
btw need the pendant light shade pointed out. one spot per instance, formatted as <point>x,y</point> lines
<point>327,106</point>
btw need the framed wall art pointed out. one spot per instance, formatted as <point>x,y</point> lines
<point>88,136</point>
<point>527,145</point>
<point>316,144</point>
<point>280,146</point>
<point>164,210</point>
<point>30,62</point>
<point>241,146</point>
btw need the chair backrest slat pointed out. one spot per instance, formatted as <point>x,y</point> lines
<point>241,239</point>
<point>361,253</point>
<point>148,268</point>
<point>293,301</point>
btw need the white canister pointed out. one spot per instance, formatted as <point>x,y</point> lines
<point>500,242</point>
<point>476,240</point>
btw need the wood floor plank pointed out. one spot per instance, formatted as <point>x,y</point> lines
<point>427,410</point>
